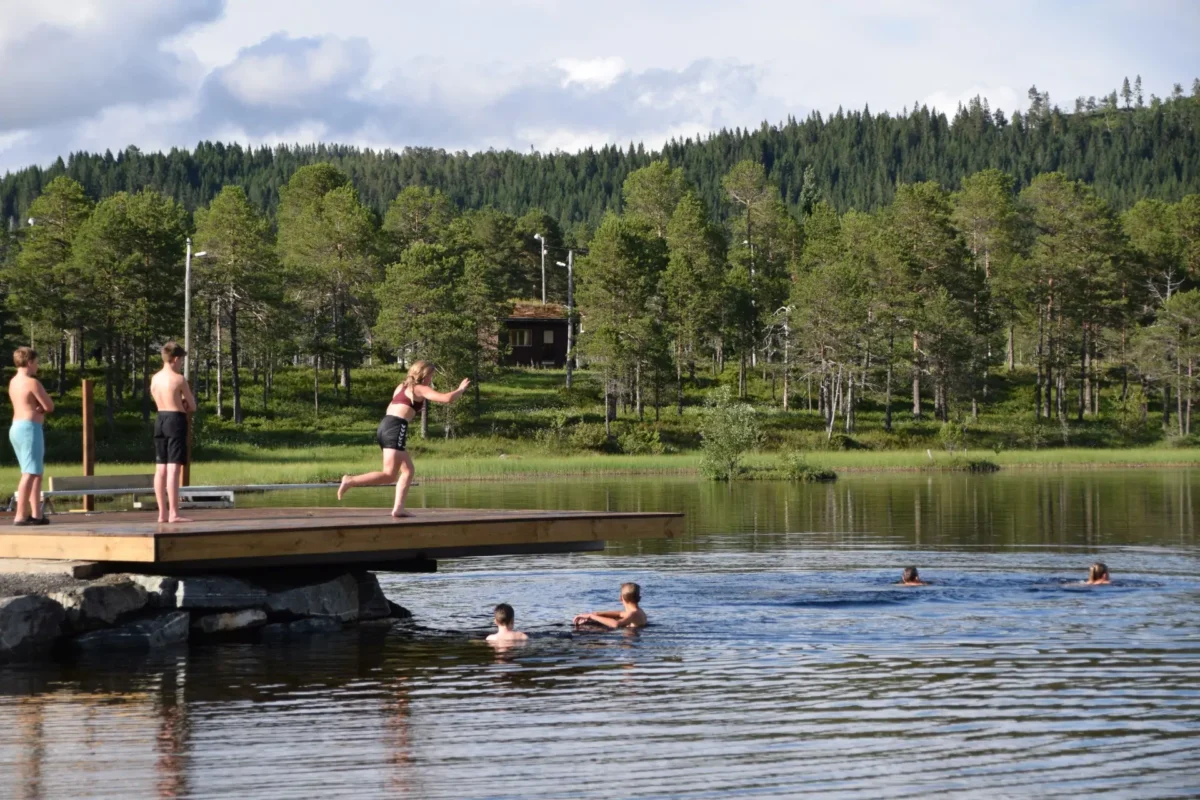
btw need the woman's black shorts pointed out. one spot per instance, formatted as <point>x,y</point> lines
<point>392,433</point>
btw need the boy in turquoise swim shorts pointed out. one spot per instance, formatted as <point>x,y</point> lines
<point>31,404</point>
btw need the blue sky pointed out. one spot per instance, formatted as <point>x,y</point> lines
<point>546,74</point>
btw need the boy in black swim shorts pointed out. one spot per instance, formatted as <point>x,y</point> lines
<point>174,398</point>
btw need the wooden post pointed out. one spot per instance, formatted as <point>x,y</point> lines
<point>89,442</point>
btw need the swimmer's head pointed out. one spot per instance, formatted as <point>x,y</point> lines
<point>420,373</point>
<point>171,351</point>
<point>631,593</point>
<point>25,357</point>
<point>910,575</point>
<point>1098,572</point>
<point>504,615</point>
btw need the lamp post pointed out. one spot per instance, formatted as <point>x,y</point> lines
<point>542,239</point>
<point>187,308</point>
<point>570,265</point>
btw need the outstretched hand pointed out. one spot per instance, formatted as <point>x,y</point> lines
<point>580,619</point>
<point>462,387</point>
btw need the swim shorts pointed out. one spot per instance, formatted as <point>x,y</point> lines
<point>29,445</point>
<point>171,438</point>
<point>392,433</point>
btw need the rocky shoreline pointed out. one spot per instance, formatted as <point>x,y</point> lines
<point>53,616</point>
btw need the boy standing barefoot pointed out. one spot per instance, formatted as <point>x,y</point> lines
<point>175,402</point>
<point>31,404</point>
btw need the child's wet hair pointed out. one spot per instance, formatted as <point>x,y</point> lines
<point>1097,571</point>
<point>631,593</point>
<point>504,615</point>
<point>910,575</point>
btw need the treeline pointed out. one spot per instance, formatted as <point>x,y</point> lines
<point>917,305</point>
<point>1126,146</point>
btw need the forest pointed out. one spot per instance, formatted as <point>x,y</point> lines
<point>1065,246</point>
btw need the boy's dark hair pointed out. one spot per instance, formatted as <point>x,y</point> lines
<point>1097,571</point>
<point>23,355</point>
<point>172,350</point>
<point>910,574</point>
<point>631,593</point>
<point>504,615</point>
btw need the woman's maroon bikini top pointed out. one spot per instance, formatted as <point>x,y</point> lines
<point>402,398</point>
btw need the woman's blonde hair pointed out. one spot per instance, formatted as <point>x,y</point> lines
<point>418,373</point>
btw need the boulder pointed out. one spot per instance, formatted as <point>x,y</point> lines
<point>372,603</point>
<point>143,634</point>
<point>230,621</point>
<point>218,592</point>
<point>398,611</point>
<point>160,590</point>
<point>99,605</point>
<point>29,625</point>
<point>337,598</point>
<point>300,627</point>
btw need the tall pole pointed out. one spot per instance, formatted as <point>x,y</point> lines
<point>570,314</point>
<point>187,311</point>
<point>543,238</point>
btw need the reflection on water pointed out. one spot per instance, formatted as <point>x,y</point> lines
<point>781,658</point>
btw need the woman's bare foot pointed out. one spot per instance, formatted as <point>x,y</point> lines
<point>401,513</point>
<point>178,519</point>
<point>162,519</point>
<point>343,487</point>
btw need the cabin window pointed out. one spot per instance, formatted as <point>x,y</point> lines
<point>547,337</point>
<point>520,337</point>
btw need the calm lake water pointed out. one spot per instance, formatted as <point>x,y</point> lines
<point>781,659</point>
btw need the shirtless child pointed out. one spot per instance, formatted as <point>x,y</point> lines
<point>31,404</point>
<point>630,615</point>
<point>505,634</point>
<point>175,401</point>
<point>910,577</point>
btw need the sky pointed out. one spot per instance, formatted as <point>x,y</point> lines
<point>543,74</point>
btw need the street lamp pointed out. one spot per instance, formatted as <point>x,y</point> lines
<point>542,239</point>
<point>570,265</point>
<point>187,308</point>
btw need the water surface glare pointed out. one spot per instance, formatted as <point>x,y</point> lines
<point>781,658</point>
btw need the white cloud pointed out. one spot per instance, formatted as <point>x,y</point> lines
<point>595,73</point>
<point>467,74</point>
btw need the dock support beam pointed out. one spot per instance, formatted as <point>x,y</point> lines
<point>89,441</point>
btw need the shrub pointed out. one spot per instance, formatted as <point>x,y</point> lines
<point>952,436</point>
<point>964,464</point>
<point>1030,432</point>
<point>730,428</point>
<point>841,442</point>
<point>797,468</point>
<point>640,440</point>
<point>588,436</point>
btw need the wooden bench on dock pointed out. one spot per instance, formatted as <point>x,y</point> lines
<point>131,484</point>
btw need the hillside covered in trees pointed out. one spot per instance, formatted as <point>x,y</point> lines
<point>1125,146</point>
<point>929,306</point>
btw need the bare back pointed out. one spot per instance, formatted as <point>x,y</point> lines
<point>171,392</point>
<point>29,399</point>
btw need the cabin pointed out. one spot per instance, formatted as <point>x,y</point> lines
<point>536,335</point>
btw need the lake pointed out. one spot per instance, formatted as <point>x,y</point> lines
<point>781,658</point>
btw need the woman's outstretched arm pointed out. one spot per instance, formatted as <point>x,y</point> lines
<point>427,393</point>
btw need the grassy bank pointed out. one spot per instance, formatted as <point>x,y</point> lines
<point>527,425</point>
<point>306,465</point>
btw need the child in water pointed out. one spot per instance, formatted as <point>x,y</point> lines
<point>1098,574</point>
<point>505,617</point>
<point>630,615</point>
<point>911,578</point>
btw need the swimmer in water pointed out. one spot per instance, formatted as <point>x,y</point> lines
<point>911,578</point>
<point>1098,575</point>
<point>505,634</point>
<point>630,615</point>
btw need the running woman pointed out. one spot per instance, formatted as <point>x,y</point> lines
<point>407,401</point>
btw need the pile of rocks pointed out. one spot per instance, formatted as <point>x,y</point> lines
<point>149,611</point>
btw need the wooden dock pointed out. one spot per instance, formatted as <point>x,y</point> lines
<point>367,537</point>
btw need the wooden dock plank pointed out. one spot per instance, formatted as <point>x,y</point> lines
<point>294,535</point>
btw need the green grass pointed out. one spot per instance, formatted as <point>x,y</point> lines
<point>528,425</point>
